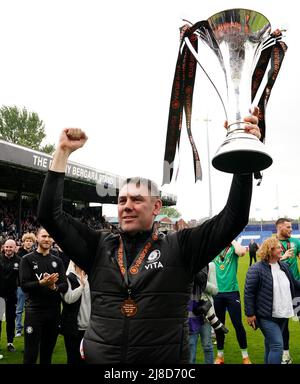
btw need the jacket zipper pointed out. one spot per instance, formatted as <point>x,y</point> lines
<point>125,340</point>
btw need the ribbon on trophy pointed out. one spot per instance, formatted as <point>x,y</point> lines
<point>273,55</point>
<point>181,99</point>
<point>183,88</point>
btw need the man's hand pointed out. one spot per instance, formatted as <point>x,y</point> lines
<point>71,139</point>
<point>49,280</point>
<point>253,120</point>
<point>289,253</point>
<point>239,249</point>
<point>253,126</point>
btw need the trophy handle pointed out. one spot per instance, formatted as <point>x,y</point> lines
<point>194,52</point>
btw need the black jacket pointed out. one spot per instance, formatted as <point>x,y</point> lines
<point>9,275</point>
<point>70,312</point>
<point>253,247</point>
<point>22,252</point>
<point>158,333</point>
<point>258,293</point>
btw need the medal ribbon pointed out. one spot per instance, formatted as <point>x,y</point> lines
<point>222,256</point>
<point>134,269</point>
<point>288,246</point>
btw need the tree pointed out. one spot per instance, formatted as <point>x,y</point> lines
<point>170,212</point>
<point>48,148</point>
<point>22,127</point>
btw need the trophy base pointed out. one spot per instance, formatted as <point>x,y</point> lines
<point>242,153</point>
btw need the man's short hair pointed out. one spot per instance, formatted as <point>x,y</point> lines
<point>152,187</point>
<point>282,220</point>
<point>39,230</point>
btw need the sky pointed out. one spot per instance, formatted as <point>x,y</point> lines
<point>108,66</point>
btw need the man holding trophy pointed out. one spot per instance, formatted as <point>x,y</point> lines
<point>241,49</point>
<point>139,313</point>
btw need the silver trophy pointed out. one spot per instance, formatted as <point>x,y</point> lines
<point>236,37</point>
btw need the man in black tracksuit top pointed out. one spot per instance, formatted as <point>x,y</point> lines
<point>140,281</point>
<point>42,278</point>
<point>9,282</point>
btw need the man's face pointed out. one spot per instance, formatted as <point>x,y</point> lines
<point>136,209</point>
<point>28,243</point>
<point>284,229</point>
<point>9,248</point>
<point>44,240</point>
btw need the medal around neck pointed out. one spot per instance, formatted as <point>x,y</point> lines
<point>129,307</point>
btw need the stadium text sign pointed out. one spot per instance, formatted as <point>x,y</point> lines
<point>25,157</point>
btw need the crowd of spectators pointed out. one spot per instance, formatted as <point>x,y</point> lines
<point>27,219</point>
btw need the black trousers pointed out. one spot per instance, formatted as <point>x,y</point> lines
<point>231,302</point>
<point>40,334</point>
<point>286,337</point>
<point>72,344</point>
<point>10,317</point>
<point>252,256</point>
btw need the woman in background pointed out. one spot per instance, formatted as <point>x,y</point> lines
<point>269,292</point>
<point>76,312</point>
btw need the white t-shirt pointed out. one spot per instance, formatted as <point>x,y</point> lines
<point>71,296</point>
<point>282,297</point>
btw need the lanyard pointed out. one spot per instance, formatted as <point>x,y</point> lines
<point>223,254</point>
<point>288,246</point>
<point>134,269</point>
<point>129,307</point>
